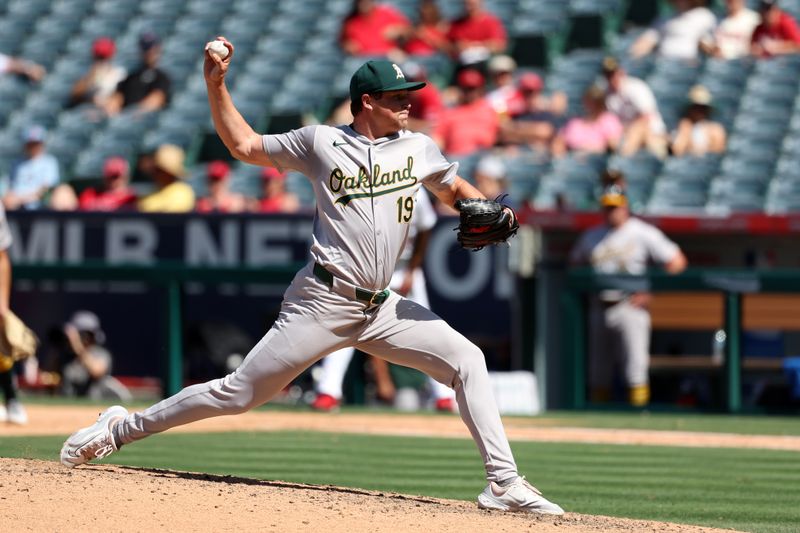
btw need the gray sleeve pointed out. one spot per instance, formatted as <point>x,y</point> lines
<point>293,150</point>
<point>5,232</point>
<point>439,172</point>
<point>659,247</point>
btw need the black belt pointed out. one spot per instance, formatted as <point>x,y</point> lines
<point>362,295</point>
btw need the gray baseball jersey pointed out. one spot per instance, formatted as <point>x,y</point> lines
<point>424,219</point>
<point>624,250</point>
<point>365,194</point>
<point>365,201</point>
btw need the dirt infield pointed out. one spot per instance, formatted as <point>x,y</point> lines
<point>44,496</point>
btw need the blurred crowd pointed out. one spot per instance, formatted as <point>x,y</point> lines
<point>34,180</point>
<point>488,106</point>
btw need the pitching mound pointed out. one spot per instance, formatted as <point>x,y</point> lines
<point>44,496</point>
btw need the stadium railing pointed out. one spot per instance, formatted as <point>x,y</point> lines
<point>171,276</point>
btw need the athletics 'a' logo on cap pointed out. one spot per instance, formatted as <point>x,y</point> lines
<point>400,75</point>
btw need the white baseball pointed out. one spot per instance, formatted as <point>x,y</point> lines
<point>218,48</point>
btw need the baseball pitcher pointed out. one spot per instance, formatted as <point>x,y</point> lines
<point>365,176</point>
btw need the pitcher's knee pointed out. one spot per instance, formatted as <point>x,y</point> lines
<point>234,398</point>
<point>470,362</point>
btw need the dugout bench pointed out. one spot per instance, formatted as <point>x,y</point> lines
<point>731,300</point>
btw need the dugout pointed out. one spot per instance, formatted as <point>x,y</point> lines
<point>725,334</point>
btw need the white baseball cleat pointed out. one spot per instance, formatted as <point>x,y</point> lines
<point>3,413</point>
<point>518,496</point>
<point>15,413</point>
<point>93,442</point>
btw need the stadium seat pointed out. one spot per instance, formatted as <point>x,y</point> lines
<point>699,169</point>
<point>673,198</point>
<point>783,196</point>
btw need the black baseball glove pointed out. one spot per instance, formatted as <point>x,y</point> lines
<point>484,222</point>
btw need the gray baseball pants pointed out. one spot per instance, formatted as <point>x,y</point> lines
<point>620,336</point>
<point>313,322</point>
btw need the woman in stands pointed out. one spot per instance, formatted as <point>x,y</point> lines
<point>596,132</point>
<point>697,134</point>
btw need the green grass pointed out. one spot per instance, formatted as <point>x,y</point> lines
<point>751,490</point>
<point>745,424</point>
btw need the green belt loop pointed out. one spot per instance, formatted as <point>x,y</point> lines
<point>323,275</point>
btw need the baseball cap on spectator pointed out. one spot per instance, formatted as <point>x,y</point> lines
<point>700,95</point>
<point>613,196</point>
<point>114,167</point>
<point>491,167</point>
<point>103,48</point>
<point>272,173</point>
<point>470,79</point>
<point>610,65</point>
<point>501,63</point>
<point>378,76</point>
<point>148,40</point>
<point>169,158</point>
<point>217,170</point>
<point>34,134</point>
<point>765,5</point>
<point>530,81</point>
<point>86,321</point>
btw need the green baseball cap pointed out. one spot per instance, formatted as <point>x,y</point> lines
<point>379,76</point>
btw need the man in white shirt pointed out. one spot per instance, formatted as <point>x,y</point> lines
<point>731,38</point>
<point>620,321</point>
<point>632,101</point>
<point>679,36</point>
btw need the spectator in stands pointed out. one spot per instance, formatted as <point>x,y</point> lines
<point>101,80</point>
<point>477,34</point>
<point>115,193</point>
<point>678,36</point>
<point>619,320</point>
<point>777,34</point>
<point>426,103</point>
<point>275,199</point>
<point>172,195</point>
<point>472,124</point>
<point>491,178</point>
<point>34,176</point>
<point>733,34</point>
<point>373,29</point>
<point>23,67</point>
<point>632,101</point>
<point>147,88</point>
<point>505,97</point>
<point>220,199</point>
<point>429,35</point>
<point>697,134</point>
<point>535,126</point>
<point>596,132</point>
<point>86,370</point>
